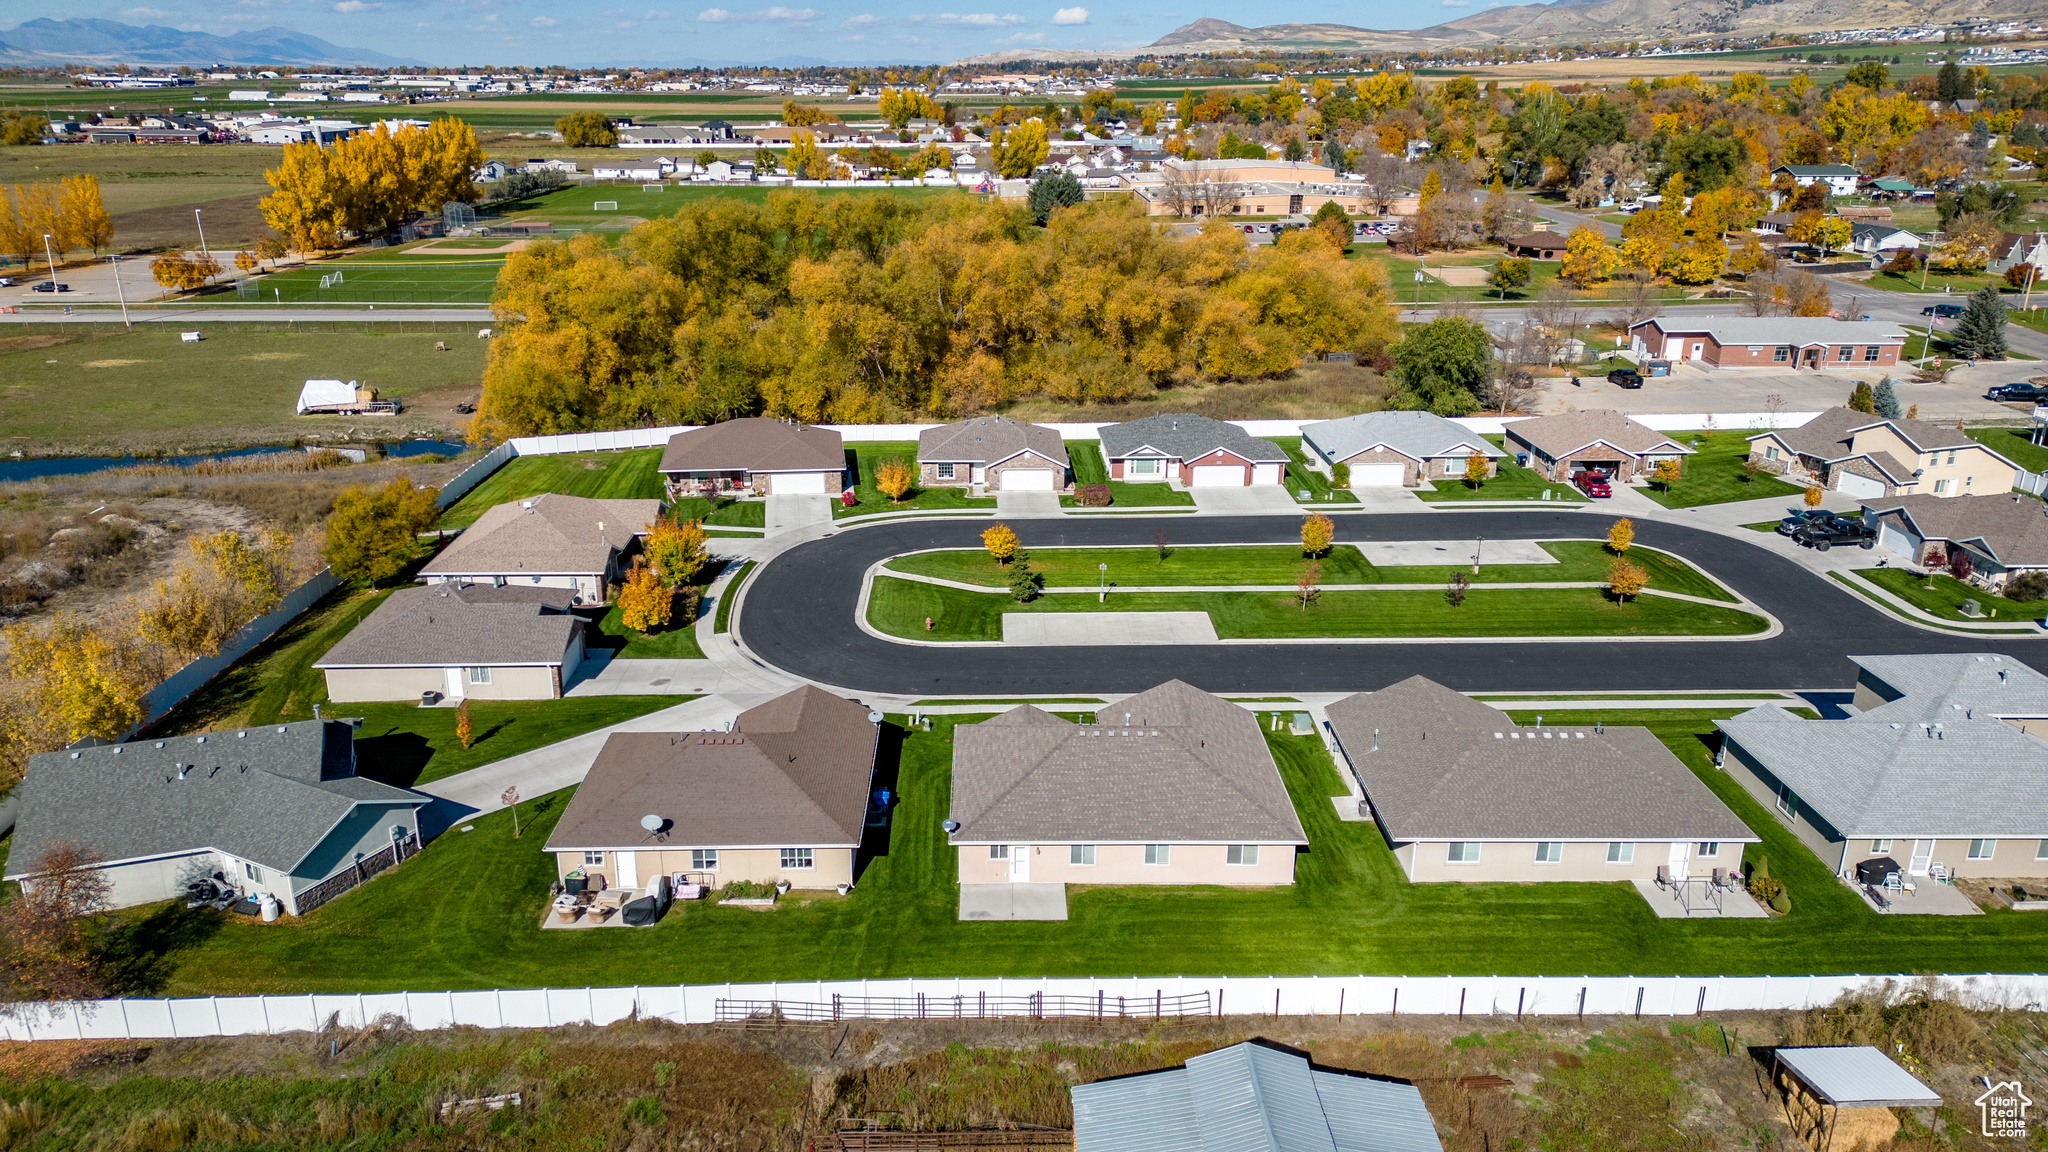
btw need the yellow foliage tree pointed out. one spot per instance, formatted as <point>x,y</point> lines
<point>1625,578</point>
<point>1000,541</point>
<point>1621,535</point>
<point>82,220</point>
<point>805,160</point>
<point>1317,530</point>
<point>1814,495</point>
<point>644,604</point>
<point>803,115</point>
<point>1475,469</point>
<point>1016,151</point>
<point>82,680</point>
<point>184,271</point>
<point>1432,187</point>
<point>895,476</point>
<point>1698,262</point>
<point>1587,258</point>
<point>1666,473</point>
<point>587,129</point>
<point>226,581</point>
<point>676,551</point>
<point>245,261</point>
<point>899,108</point>
<point>362,185</point>
<point>465,728</point>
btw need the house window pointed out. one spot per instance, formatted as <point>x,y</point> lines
<point>2041,850</point>
<point>1770,453</point>
<point>1870,353</point>
<point>1787,803</point>
<point>1082,854</point>
<point>479,675</point>
<point>1940,486</point>
<point>999,851</point>
<point>1621,852</point>
<point>1781,353</point>
<point>795,858</point>
<point>1463,852</point>
<point>1983,849</point>
<point>1951,456</point>
<point>1244,854</point>
<point>945,471</point>
<point>254,874</point>
<point>1843,352</point>
<point>1158,853</point>
<point>1143,467</point>
<point>1550,852</point>
<point>1880,847</point>
<point>593,859</point>
<point>1707,849</point>
<point>704,859</point>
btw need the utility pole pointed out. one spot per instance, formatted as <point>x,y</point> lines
<point>120,291</point>
<point>202,232</point>
<point>52,258</point>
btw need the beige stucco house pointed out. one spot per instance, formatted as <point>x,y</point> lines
<point>1396,449</point>
<point>755,455</point>
<point>1598,439</point>
<point>1867,456</point>
<point>2003,535</point>
<point>1464,794</point>
<point>1170,786</point>
<point>1005,455</point>
<point>548,541</point>
<point>781,797</point>
<point>464,641</point>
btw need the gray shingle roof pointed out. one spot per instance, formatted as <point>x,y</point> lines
<point>2010,529</point>
<point>1922,765</point>
<point>1250,1098</point>
<point>1451,768</point>
<point>445,625</point>
<point>1186,768</point>
<point>1818,169</point>
<point>269,795</point>
<point>549,534</point>
<point>793,773</point>
<point>1769,330</point>
<point>1827,436</point>
<point>1567,432</point>
<point>1184,436</point>
<point>988,440</point>
<point>1416,435</point>
<point>754,444</point>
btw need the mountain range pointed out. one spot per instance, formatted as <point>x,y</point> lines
<point>50,43</point>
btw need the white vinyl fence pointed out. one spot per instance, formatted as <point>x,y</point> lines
<point>969,998</point>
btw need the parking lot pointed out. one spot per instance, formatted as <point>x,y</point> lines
<point>1696,388</point>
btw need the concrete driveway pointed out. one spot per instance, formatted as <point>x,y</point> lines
<point>1027,503</point>
<point>791,513</point>
<point>1253,500</point>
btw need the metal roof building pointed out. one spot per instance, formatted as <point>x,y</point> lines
<point>1856,1077</point>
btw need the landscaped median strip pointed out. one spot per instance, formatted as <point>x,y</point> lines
<point>1897,607</point>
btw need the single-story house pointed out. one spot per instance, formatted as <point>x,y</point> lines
<point>276,809</point>
<point>1597,438</point>
<point>548,541</point>
<point>1193,451</point>
<point>1170,786</point>
<point>1943,763</point>
<point>783,796</point>
<point>1005,454</point>
<point>1877,239</point>
<point>2002,535</point>
<point>1873,457</point>
<point>755,454</point>
<point>1396,449</point>
<point>1840,178</point>
<point>460,640</point>
<point>1781,342</point>
<point>2015,248</point>
<point>1462,793</point>
<point>1251,1097</point>
<point>1536,245</point>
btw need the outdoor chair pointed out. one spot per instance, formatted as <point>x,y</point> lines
<point>1720,878</point>
<point>1663,875</point>
<point>1892,883</point>
<point>1940,873</point>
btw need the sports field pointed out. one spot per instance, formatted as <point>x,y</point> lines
<point>382,278</point>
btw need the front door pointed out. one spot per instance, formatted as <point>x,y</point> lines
<point>1020,863</point>
<point>1699,352</point>
<point>629,870</point>
<point>1923,856</point>
<point>1681,859</point>
<point>458,679</point>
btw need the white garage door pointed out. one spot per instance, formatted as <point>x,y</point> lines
<point>1219,476</point>
<point>1265,473</point>
<point>1027,480</point>
<point>796,483</point>
<point>1861,487</point>
<point>1897,540</point>
<point>1378,475</point>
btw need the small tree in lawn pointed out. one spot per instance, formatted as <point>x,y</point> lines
<point>1159,544</point>
<point>677,552</point>
<point>1454,592</point>
<point>895,477</point>
<point>48,953</point>
<point>1317,530</point>
<point>1666,473</point>
<point>1751,469</point>
<point>1023,581</point>
<point>1935,560</point>
<point>644,604</point>
<point>1000,541</point>
<point>465,729</point>
<point>1475,470</point>
<point>1508,275</point>
<point>1621,535</point>
<point>1980,331</point>
<point>1959,565</point>
<point>1308,585</point>
<point>1625,578</point>
<point>1814,495</point>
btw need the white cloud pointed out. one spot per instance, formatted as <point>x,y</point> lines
<point>1022,38</point>
<point>1070,16</point>
<point>355,6</point>
<point>775,15</point>
<point>713,16</point>
<point>543,22</point>
<point>861,21</point>
<point>145,13</point>
<point>968,20</point>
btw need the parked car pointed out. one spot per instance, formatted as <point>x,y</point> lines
<point>1800,518</point>
<point>2021,391</point>
<point>6,281</point>
<point>1822,535</point>
<point>1247,227</point>
<point>1942,310</point>
<point>1625,378</point>
<point>51,286</point>
<point>1593,484</point>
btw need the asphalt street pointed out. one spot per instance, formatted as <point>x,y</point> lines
<point>799,616</point>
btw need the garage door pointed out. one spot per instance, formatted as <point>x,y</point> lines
<point>1027,480</point>
<point>1897,540</point>
<point>1219,476</point>
<point>1861,487</point>
<point>1377,475</point>
<point>795,483</point>
<point>1265,473</point>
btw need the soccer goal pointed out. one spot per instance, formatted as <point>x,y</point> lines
<point>650,187</point>
<point>605,206</point>
<point>331,280</point>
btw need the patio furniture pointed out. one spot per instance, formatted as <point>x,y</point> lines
<point>1893,884</point>
<point>1875,869</point>
<point>645,911</point>
<point>1663,875</point>
<point>1720,878</point>
<point>1940,873</point>
<point>692,885</point>
<point>566,910</point>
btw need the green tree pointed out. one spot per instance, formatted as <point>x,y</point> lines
<point>1442,365</point>
<point>1332,223</point>
<point>1294,149</point>
<point>1024,582</point>
<point>587,129</point>
<point>1508,274</point>
<point>374,532</point>
<point>1861,399</point>
<point>1871,74</point>
<point>1980,333</point>
<point>1050,191</point>
<point>1949,83</point>
<point>1886,399</point>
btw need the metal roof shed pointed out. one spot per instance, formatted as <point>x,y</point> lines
<point>1856,1077</point>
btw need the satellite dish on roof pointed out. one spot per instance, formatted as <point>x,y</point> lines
<point>651,822</point>
<point>951,826</point>
<point>874,717</point>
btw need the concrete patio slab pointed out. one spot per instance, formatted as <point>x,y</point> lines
<point>1108,628</point>
<point>1013,902</point>
<point>1930,897</point>
<point>1411,553</point>
<point>603,674</point>
<point>1695,902</point>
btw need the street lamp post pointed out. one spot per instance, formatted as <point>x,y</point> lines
<point>51,257</point>
<point>120,291</point>
<point>1102,594</point>
<point>202,232</point>
<point>1477,550</point>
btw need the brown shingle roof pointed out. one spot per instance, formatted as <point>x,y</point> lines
<point>987,440</point>
<point>1568,432</point>
<point>793,773</point>
<point>444,624</point>
<point>1441,773</point>
<point>1186,767</point>
<point>754,444</point>
<point>1827,435</point>
<point>2011,529</point>
<point>550,534</point>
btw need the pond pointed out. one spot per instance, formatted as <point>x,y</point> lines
<point>36,469</point>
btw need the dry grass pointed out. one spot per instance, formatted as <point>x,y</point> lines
<point>1312,392</point>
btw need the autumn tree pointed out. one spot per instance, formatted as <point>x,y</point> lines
<point>806,160</point>
<point>367,183</point>
<point>1814,496</point>
<point>245,261</point>
<point>644,604</point>
<point>899,107</point>
<point>184,271</point>
<point>225,581</point>
<point>1475,470</point>
<point>465,728</point>
<point>1862,399</point>
<point>587,129</point>
<point>1018,150</point>
<point>894,477</point>
<point>1620,535</point>
<point>46,949</point>
<point>1000,542</point>
<point>797,115</point>
<point>1587,258</point>
<point>1508,274</point>
<point>1666,473</point>
<point>373,533</point>
<point>677,551</point>
<point>1308,586</point>
<point>1625,578</point>
<point>1317,531</point>
<point>79,678</point>
<point>82,219</point>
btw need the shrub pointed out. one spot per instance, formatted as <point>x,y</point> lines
<point>746,890</point>
<point>2027,587</point>
<point>1782,902</point>
<point>1093,495</point>
<point>1340,475</point>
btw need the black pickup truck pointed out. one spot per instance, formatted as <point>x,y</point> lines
<point>1822,535</point>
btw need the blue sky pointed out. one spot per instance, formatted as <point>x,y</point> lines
<point>669,31</point>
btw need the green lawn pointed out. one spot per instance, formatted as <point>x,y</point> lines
<point>1085,456</point>
<point>863,458</point>
<point>678,642</point>
<point>1300,476</point>
<point>900,607</point>
<point>381,277</point>
<point>465,913</point>
<point>1512,482</point>
<point>1713,475</point>
<point>723,619</point>
<point>724,512</point>
<point>1958,286</point>
<point>632,474</point>
<point>1946,598</point>
<point>1578,560</point>
<point>2012,443</point>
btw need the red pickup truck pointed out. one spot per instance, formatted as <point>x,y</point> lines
<point>1593,484</point>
